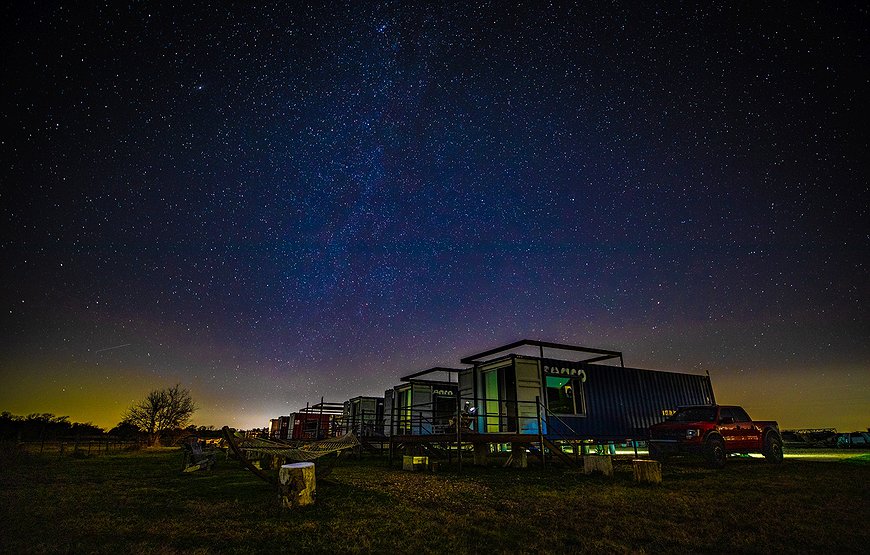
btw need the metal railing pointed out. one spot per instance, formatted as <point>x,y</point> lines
<point>419,419</point>
<point>466,414</point>
<point>364,424</point>
<point>546,431</point>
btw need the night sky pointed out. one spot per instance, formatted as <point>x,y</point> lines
<point>270,205</point>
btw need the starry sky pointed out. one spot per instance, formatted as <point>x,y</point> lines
<point>274,204</point>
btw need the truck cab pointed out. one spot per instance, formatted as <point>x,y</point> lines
<point>714,432</point>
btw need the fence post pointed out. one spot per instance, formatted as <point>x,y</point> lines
<point>458,426</point>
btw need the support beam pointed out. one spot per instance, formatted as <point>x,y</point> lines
<point>481,454</point>
<point>476,358</point>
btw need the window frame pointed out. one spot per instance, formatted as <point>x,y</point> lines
<point>576,383</point>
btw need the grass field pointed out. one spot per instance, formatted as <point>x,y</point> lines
<point>140,503</point>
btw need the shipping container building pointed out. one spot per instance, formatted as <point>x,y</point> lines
<point>300,425</point>
<point>309,426</point>
<point>423,403</point>
<point>363,416</point>
<point>568,392</point>
<point>275,428</point>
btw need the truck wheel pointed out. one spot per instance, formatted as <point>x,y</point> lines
<point>715,452</point>
<point>772,448</point>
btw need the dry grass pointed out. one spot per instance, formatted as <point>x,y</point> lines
<point>141,503</point>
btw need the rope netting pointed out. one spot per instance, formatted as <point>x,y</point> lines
<point>301,453</point>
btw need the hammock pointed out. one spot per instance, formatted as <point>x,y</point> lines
<point>298,452</point>
<point>248,448</point>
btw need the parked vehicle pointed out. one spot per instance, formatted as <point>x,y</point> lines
<point>853,440</point>
<point>714,432</point>
<point>810,437</point>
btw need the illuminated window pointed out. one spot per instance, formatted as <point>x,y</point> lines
<point>565,395</point>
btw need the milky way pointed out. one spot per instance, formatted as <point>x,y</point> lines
<point>271,205</point>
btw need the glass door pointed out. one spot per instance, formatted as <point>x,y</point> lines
<point>403,406</point>
<point>443,409</point>
<point>500,392</point>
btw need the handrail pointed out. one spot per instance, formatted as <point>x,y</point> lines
<point>414,417</point>
<point>414,420</point>
<point>363,424</point>
<point>550,413</point>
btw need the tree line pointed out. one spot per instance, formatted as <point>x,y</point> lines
<point>162,414</point>
<point>38,426</point>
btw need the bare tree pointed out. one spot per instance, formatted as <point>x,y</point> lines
<point>161,410</point>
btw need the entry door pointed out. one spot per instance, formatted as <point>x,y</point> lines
<point>404,412</point>
<point>500,389</point>
<point>443,409</point>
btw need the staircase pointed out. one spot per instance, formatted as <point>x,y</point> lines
<point>557,452</point>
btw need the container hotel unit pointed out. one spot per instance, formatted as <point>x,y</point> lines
<point>423,404</point>
<point>579,397</point>
<point>530,391</point>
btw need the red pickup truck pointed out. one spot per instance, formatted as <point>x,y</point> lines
<point>714,431</point>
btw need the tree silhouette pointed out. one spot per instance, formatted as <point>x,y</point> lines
<point>162,410</point>
<point>41,426</point>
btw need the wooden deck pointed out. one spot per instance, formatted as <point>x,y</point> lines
<point>479,441</point>
<point>467,437</point>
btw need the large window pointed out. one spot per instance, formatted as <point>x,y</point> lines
<point>565,395</point>
<point>737,413</point>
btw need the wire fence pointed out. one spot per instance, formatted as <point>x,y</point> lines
<point>74,447</point>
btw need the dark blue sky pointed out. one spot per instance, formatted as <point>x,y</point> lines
<point>274,204</point>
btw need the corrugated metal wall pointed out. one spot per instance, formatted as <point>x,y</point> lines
<point>623,403</point>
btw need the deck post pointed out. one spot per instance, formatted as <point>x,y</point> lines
<point>457,423</point>
<point>320,421</point>
<point>540,432</point>
<point>481,452</point>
